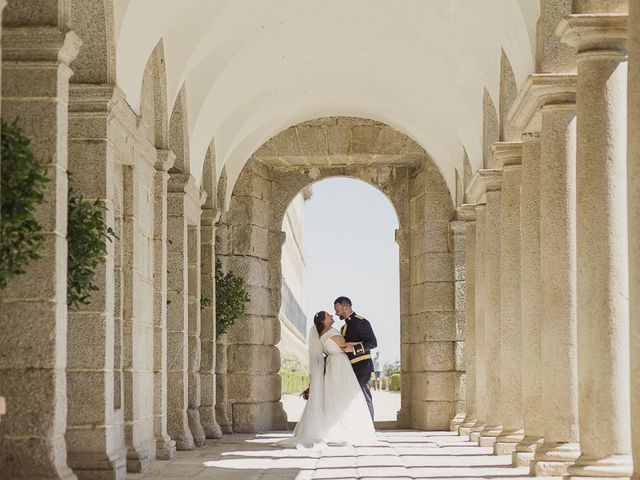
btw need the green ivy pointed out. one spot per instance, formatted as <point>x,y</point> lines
<point>205,302</point>
<point>87,239</point>
<point>22,185</point>
<point>231,299</point>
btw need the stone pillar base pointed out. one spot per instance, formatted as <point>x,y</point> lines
<point>525,451</point>
<point>507,442</point>
<point>138,460</point>
<point>403,418</point>
<point>212,430</point>
<point>97,466</point>
<point>476,430</point>
<point>193,416</point>
<point>465,428</point>
<point>258,417</point>
<point>209,423</point>
<point>553,459</point>
<point>489,435</point>
<point>165,449</point>
<point>615,466</point>
<point>456,422</point>
<point>184,442</point>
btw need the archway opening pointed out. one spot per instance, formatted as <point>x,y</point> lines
<point>340,240</point>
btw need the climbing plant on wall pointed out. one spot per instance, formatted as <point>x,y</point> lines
<point>22,186</point>
<point>87,237</point>
<point>231,299</point>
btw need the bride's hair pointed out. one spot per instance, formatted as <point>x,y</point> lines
<point>318,321</point>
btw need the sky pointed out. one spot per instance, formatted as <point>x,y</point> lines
<point>350,250</point>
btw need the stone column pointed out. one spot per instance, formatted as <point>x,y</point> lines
<point>250,390</point>
<point>429,301</point>
<point>457,239</point>
<point>599,33</point>
<point>208,323</point>
<point>33,308</point>
<point>633,182</point>
<point>558,272</point>
<point>94,436</point>
<point>165,446</point>
<point>407,325</point>
<point>468,214</point>
<point>177,313</point>
<point>480,283</point>
<point>530,301</point>
<point>193,280</point>
<point>492,257</point>
<point>138,298</point>
<point>509,155</point>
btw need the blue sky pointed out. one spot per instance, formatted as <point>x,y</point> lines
<point>350,250</point>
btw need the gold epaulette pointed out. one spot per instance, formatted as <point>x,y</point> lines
<point>359,317</point>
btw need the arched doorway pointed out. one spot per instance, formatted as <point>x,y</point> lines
<point>249,241</point>
<point>340,240</point>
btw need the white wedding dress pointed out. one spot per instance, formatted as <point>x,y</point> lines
<point>336,412</point>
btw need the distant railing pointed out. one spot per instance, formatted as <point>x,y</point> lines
<point>292,310</point>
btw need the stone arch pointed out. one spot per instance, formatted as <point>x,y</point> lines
<point>153,106</point>
<point>508,92</point>
<point>250,239</point>
<point>209,181</point>
<point>94,22</point>
<point>490,129</point>
<point>179,134</point>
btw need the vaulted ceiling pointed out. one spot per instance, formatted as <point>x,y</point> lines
<point>252,68</point>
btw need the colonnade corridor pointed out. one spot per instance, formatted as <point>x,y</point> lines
<point>399,455</point>
<point>150,149</point>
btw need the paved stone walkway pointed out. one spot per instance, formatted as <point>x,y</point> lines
<point>399,455</point>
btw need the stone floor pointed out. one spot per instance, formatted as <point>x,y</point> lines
<point>399,455</point>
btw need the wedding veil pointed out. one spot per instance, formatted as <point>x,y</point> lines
<point>312,430</point>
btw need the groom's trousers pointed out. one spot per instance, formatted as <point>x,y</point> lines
<point>364,380</point>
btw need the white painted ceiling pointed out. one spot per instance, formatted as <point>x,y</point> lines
<point>255,67</point>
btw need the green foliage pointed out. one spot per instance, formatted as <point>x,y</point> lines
<point>395,382</point>
<point>87,242</point>
<point>23,182</point>
<point>231,299</point>
<point>290,363</point>
<point>293,382</point>
<point>295,375</point>
<point>205,302</point>
<point>391,368</point>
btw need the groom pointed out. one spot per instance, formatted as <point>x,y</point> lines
<point>358,331</point>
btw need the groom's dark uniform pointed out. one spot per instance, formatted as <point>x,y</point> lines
<point>357,329</point>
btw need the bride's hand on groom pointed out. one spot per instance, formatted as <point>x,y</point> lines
<point>347,348</point>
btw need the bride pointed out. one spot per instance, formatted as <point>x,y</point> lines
<point>336,411</point>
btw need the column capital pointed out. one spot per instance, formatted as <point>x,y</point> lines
<point>467,212</point>
<point>540,90</point>
<point>164,160</point>
<point>457,227</point>
<point>508,154</point>
<point>210,216</point>
<point>178,182</point>
<point>46,44</point>
<point>86,97</point>
<point>595,34</point>
<point>483,181</point>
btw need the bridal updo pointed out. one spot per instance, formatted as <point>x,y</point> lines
<point>318,321</point>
